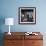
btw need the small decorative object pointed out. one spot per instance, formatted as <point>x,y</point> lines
<point>26,34</point>
<point>29,32</point>
<point>27,15</point>
<point>9,21</point>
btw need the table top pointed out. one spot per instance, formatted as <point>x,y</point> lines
<point>22,35</point>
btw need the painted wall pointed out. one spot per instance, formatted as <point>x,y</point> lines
<point>9,8</point>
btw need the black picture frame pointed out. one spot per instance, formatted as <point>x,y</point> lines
<point>27,15</point>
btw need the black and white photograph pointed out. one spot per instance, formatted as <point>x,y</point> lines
<point>27,15</point>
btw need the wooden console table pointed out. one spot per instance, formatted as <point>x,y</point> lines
<point>20,39</point>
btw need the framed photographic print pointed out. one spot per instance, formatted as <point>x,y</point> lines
<point>27,15</point>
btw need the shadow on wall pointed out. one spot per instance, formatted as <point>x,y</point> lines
<point>2,21</point>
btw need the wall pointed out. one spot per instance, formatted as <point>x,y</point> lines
<point>9,8</point>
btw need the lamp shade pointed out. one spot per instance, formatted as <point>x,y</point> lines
<point>9,21</point>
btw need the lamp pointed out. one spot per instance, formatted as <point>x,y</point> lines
<point>9,21</point>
